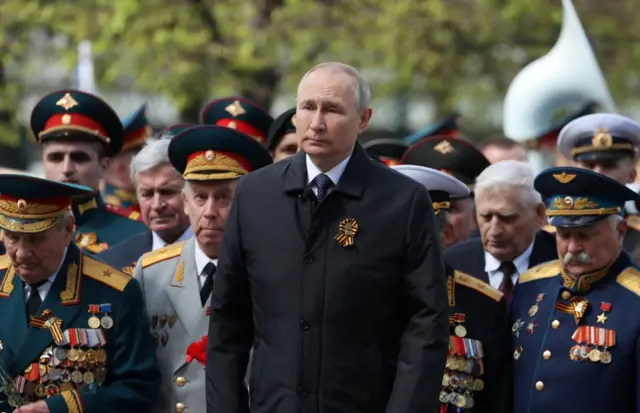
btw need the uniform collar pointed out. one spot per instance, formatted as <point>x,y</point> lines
<point>202,259</point>
<point>85,204</point>
<point>585,282</point>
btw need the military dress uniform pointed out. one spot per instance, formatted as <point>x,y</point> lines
<point>72,115</point>
<point>478,370</point>
<point>169,278</point>
<point>87,347</point>
<point>387,151</point>
<point>576,341</point>
<point>604,139</point>
<point>240,114</point>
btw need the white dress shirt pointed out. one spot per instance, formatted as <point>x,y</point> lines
<point>334,173</point>
<point>492,267</point>
<point>158,242</point>
<point>201,261</point>
<point>44,288</point>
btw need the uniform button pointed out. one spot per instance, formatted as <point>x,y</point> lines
<point>179,407</point>
<point>546,355</point>
<point>566,295</point>
<point>181,381</point>
<point>539,386</point>
<point>302,392</point>
<point>555,324</point>
<point>304,325</point>
<point>308,258</point>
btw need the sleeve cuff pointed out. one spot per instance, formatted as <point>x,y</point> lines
<point>68,401</point>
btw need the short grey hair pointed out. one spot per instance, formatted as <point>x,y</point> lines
<point>362,90</point>
<point>509,175</point>
<point>155,153</point>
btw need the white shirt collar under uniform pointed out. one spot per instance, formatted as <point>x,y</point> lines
<point>334,173</point>
<point>201,261</point>
<point>492,266</point>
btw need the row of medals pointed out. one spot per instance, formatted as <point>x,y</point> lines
<point>459,382</point>
<point>582,353</point>
<point>58,369</point>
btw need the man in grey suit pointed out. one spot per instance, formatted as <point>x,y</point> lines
<point>177,280</point>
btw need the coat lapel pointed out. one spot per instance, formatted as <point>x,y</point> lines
<point>36,339</point>
<point>184,291</point>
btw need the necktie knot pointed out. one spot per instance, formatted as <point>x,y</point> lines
<point>209,269</point>
<point>323,183</point>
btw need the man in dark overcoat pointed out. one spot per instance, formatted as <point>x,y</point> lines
<point>330,269</point>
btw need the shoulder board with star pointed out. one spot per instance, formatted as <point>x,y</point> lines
<point>629,278</point>
<point>104,273</point>
<point>633,221</point>
<point>549,228</point>
<point>480,286</point>
<point>162,254</point>
<point>130,212</point>
<point>5,262</point>
<point>545,270</point>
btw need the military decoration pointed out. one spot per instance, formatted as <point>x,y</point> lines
<point>49,321</point>
<point>459,330</point>
<point>106,321</point>
<point>517,352</point>
<point>198,351</point>
<point>347,229</point>
<point>534,308</point>
<point>589,340</point>
<point>463,370</point>
<point>94,322</point>
<point>517,326</point>
<point>605,308</point>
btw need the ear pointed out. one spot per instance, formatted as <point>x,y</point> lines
<point>447,234</point>
<point>541,217</point>
<point>621,230</point>
<point>364,120</point>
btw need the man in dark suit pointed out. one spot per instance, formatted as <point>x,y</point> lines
<point>510,213</point>
<point>159,192</point>
<point>344,301</point>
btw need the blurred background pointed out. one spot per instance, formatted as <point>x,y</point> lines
<point>424,58</point>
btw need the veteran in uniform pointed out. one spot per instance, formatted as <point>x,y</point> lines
<point>118,189</point>
<point>385,150</point>
<point>78,133</point>
<point>177,280</point>
<point>459,158</point>
<point>575,328</point>
<point>240,114</point>
<point>74,337</point>
<point>478,369</point>
<point>282,141</point>
<point>608,144</point>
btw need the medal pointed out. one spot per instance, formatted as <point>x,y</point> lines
<point>72,354</point>
<point>517,326</point>
<point>443,397</point>
<point>461,401</point>
<point>517,352</point>
<point>90,356</point>
<point>163,320</point>
<point>469,403</point>
<point>478,385</point>
<point>106,322</point>
<point>101,356</point>
<point>154,321</point>
<point>445,380</point>
<point>76,377</point>
<point>41,391</point>
<point>605,357</point>
<point>605,308</point>
<point>81,356</point>
<point>534,308</point>
<point>459,329</point>
<point>52,390</point>
<point>88,377</point>
<point>100,375</point>
<point>65,376</point>
<point>60,353</point>
<point>172,320</point>
<point>531,326</point>
<point>42,370</point>
<point>165,338</point>
<point>94,322</point>
<point>594,355</point>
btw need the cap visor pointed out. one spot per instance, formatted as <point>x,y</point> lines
<point>575,221</point>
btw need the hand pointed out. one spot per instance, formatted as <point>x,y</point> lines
<point>37,407</point>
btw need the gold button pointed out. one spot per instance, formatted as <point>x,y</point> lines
<point>539,386</point>
<point>179,407</point>
<point>566,295</point>
<point>181,381</point>
<point>546,355</point>
<point>555,324</point>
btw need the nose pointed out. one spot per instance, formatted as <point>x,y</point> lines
<point>317,122</point>
<point>68,167</point>
<point>211,209</point>
<point>495,226</point>
<point>157,202</point>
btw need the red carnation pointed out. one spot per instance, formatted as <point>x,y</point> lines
<point>198,350</point>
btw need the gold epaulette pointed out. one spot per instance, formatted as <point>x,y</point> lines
<point>633,221</point>
<point>549,228</point>
<point>5,261</point>
<point>105,274</point>
<point>476,284</point>
<point>629,278</point>
<point>164,253</point>
<point>545,270</point>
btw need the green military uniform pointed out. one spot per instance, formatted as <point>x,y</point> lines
<point>240,114</point>
<point>87,348</point>
<point>136,132</point>
<point>71,115</point>
<point>169,276</point>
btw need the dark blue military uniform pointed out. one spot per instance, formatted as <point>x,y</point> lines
<point>478,369</point>
<point>72,115</point>
<point>240,114</point>
<point>136,132</point>
<point>387,151</point>
<point>88,348</point>
<point>576,340</point>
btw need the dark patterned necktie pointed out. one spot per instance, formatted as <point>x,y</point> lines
<point>506,286</point>
<point>34,302</point>
<point>205,291</point>
<point>323,184</point>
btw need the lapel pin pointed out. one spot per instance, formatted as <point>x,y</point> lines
<point>347,229</point>
<point>154,321</point>
<point>163,320</point>
<point>172,320</point>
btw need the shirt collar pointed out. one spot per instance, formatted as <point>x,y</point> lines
<point>157,242</point>
<point>521,262</point>
<point>334,174</point>
<point>202,259</point>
